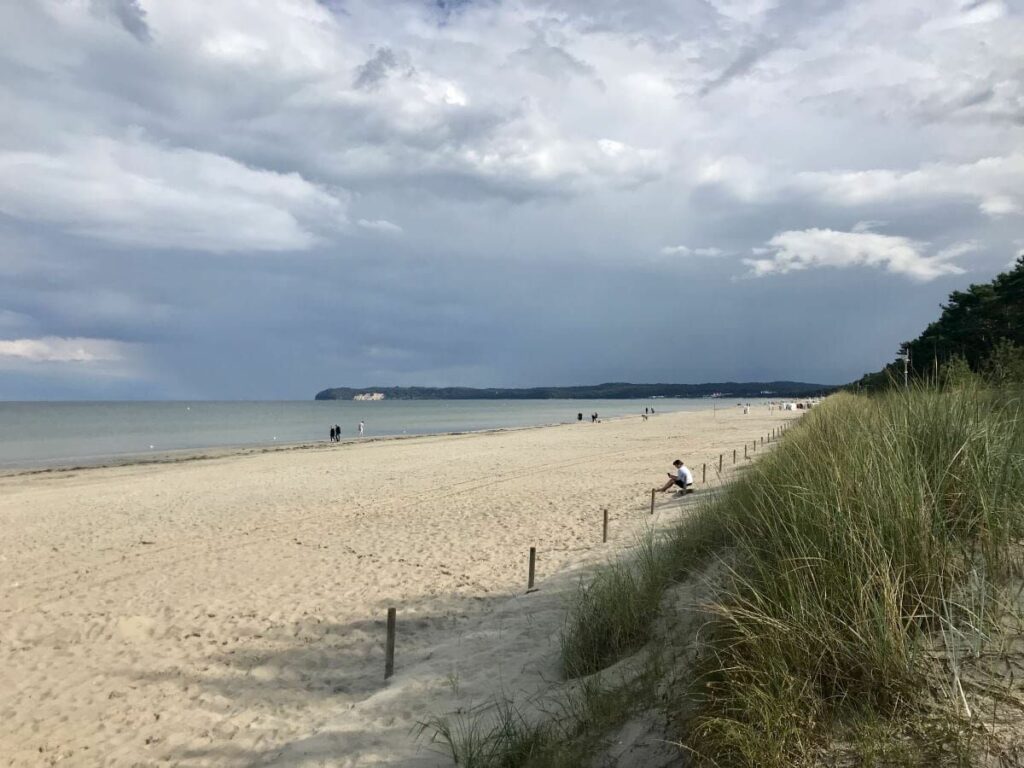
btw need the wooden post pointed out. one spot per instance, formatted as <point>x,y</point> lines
<point>533,568</point>
<point>733,455</point>
<point>653,492</point>
<point>762,439</point>
<point>719,463</point>
<point>704,473</point>
<point>744,450</point>
<point>389,648</point>
<point>604,532</point>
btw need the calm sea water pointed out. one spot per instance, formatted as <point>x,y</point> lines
<point>60,434</point>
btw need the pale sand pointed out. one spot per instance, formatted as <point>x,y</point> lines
<point>231,611</point>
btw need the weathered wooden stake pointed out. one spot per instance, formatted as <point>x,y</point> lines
<point>653,492</point>
<point>704,473</point>
<point>533,568</point>
<point>604,532</point>
<point>744,450</point>
<point>733,455</point>
<point>762,439</point>
<point>719,463</point>
<point>389,648</point>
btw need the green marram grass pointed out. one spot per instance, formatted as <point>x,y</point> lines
<point>881,531</point>
<point>872,555</point>
<point>613,614</point>
<point>563,732</point>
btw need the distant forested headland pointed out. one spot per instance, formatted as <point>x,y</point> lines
<point>615,391</point>
<point>980,332</point>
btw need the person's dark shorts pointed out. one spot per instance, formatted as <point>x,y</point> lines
<point>684,486</point>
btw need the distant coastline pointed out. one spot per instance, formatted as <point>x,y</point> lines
<point>609,391</point>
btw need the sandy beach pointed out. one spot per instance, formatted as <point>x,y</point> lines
<point>230,611</point>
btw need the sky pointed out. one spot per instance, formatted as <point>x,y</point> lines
<point>259,199</point>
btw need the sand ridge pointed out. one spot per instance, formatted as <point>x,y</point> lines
<point>230,611</point>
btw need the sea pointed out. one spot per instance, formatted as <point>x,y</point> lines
<point>61,434</point>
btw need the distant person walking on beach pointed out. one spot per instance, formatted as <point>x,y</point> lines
<point>682,478</point>
<point>362,426</point>
<point>333,435</point>
<point>337,433</point>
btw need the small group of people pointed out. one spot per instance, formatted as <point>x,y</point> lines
<point>593,417</point>
<point>336,431</point>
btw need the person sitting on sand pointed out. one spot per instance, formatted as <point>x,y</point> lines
<point>683,478</point>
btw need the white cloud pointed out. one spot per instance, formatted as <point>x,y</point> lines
<point>135,193</point>
<point>869,225</point>
<point>812,248</point>
<point>683,250</point>
<point>977,12</point>
<point>1000,205</point>
<point>746,180</point>
<point>380,225</point>
<point>995,184</point>
<point>54,349</point>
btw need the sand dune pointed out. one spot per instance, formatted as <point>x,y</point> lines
<point>231,611</point>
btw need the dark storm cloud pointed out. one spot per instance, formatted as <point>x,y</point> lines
<point>553,61</point>
<point>374,71</point>
<point>129,13</point>
<point>742,64</point>
<point>268,202</point>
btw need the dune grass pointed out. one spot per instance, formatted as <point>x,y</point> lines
<point>562,732</point>
<point>872,551</point>
<point>613,614</point>
<point>876,540</point>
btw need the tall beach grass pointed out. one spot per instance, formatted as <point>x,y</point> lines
<point>871,560</point>
<point>874,542</point>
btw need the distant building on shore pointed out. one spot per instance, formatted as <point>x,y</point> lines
<point>369,396</point>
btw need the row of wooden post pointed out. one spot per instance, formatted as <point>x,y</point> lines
<point>389,647</point>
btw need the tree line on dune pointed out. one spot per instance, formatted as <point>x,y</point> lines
<point>979,333</point>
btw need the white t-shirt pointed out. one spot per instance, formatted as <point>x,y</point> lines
<point>684,476</point>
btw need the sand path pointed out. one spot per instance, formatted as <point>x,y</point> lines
<point>230,611</point>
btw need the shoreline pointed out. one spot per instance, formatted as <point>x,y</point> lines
<point>183,455</point>
<point>36,441</point>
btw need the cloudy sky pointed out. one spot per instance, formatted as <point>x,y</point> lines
<point>262,198</point>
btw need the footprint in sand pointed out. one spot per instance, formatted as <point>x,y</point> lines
<point>136,629</point>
